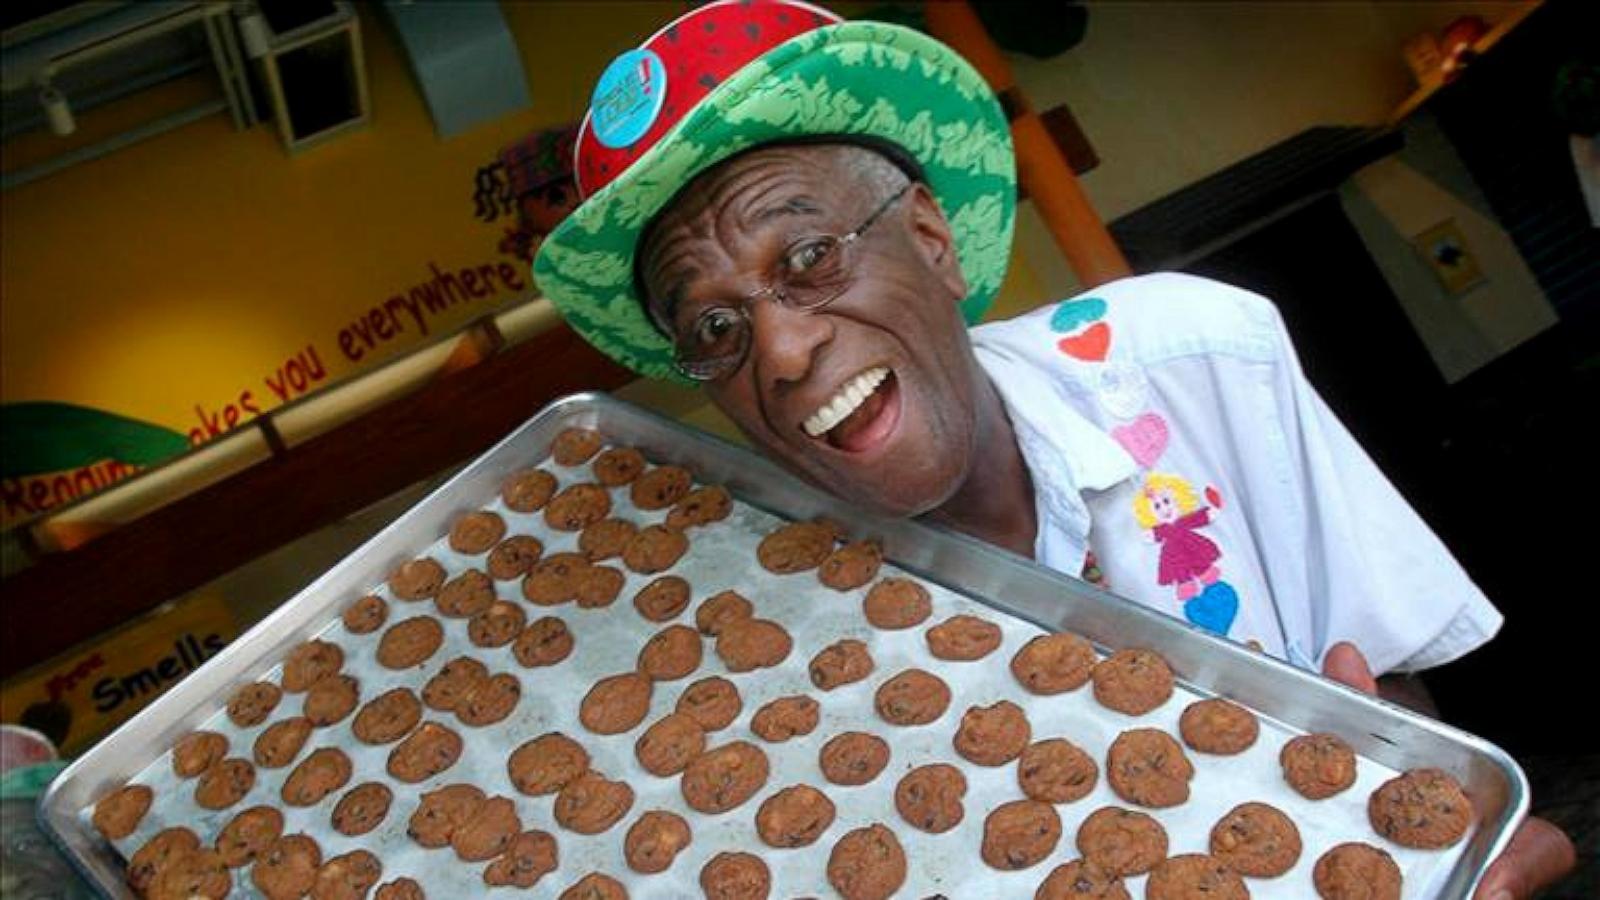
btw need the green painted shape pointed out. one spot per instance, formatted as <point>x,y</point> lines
<point>36,438</point>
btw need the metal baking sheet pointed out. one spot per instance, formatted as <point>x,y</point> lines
<point>963,576</point>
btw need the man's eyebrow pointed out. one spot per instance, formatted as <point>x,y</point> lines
<point>794,206</point>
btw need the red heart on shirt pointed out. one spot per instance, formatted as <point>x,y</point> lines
<point>1090,345</point>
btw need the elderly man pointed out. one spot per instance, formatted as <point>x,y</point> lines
<point>805,216</point>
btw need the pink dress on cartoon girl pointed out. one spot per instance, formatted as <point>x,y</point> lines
<point>1186,555</point>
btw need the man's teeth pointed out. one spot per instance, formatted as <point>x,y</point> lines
<point>846,401</point>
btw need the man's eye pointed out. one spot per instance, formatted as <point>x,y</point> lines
<point>808,255</point>
<point>713,327</point>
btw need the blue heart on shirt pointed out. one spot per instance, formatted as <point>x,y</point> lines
<point>1074,314</point>
<point>1214,609</point>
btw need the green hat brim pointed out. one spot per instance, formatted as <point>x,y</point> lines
<point>867,79</point>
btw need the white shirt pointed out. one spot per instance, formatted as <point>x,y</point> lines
<point>1169,429</point>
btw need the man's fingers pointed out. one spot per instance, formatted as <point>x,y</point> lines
<point>1345,664</point>
<point>1539,855</point>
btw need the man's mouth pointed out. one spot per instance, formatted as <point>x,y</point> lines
<point>861,414</point>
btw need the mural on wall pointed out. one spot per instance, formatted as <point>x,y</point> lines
<point>55,453</point>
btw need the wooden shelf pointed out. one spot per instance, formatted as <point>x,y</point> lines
<point>1497,31</point>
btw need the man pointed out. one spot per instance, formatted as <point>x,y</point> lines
<point>804,216</point>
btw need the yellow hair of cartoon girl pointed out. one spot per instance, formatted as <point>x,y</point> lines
<point>1154,483</point>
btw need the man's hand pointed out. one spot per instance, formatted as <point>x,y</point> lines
<point>1539,855</point>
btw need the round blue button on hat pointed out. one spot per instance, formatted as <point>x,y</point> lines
<point>628,98</point>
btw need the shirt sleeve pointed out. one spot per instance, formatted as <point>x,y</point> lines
<point>1376,574</point>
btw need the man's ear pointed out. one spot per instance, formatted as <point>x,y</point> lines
<point>931,236</point>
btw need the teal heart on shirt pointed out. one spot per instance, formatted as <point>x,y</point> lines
<point>1074,314</point>
<point>1214,609</point>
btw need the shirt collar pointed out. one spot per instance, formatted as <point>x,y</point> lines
<point>1065,452</point>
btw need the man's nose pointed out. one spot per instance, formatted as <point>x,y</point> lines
<point>785,342</point>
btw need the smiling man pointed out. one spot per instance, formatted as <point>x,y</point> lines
<point>805,216</point>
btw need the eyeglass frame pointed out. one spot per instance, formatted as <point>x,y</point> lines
<point>774,289</point>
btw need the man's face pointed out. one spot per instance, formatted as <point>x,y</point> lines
<point>870,397</point>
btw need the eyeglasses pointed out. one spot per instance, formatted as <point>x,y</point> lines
<point>812,272</point>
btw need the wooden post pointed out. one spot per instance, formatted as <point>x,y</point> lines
<point>1041,166</point>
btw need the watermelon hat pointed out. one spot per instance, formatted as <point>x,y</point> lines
<point>737,74</point>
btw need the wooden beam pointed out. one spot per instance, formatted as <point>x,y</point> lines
<point>66,598</point>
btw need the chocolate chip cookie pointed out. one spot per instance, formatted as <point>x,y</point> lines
<point>618,466</point>
<point>796,547</point>
<point>712,702</point>
<point>993,735</point>
<point>963,638</point>
<point>701,506</point>
<point>490,700</point>
<point>248,835</point>
<point>1122,841</point>
<point>1081,878</point>
<point>366,615</point>
<point>590,804</point>
<point>786,717</point>
<point>545,642</point>
<point>735,876</point>
<point>288,869</point>
<point>362,808</point>
<point>225,784</point>
<point>497,626</point>
<point>896,603</point>
<point>252,703</point>
<point>486,831</point>
<point>513,557</point>
<point>1424,809</point>
<point>527,490</point>
<point>1132,681</point>
<point>118,813</point>
<point>347,877</point>
<point>387,717</point>
<point>1056,771</point>
<point>410,643</point>
<point>196,751</point>
<point>1053,663</point>
<point>199,874</point>
<point>1356,871</point>
<point>417,579</point>
<point>606,538</point>
<point>721,779</point>
<point>929,797</point>
<point>1192,876</point>
<point>546,764</point>
<point>660,487</point>
<point>840,663</point>
<point>721,609</point>
<point>1318,765</point>
<point>530,856</point>
<point>853,758</point>
<point>577,507</point>
<point>1218,726</point>
<point>1256,840</point>
<point>598,586</point>
<point>852,565</point>
<point>280,743</point>
<point>671,653</point>
<point>662,599</point>
<point>654,841</point>
<point>655,548</point>
<point>747,644</point>
<point>465,595</point>
<point>574,446</point>
<point>1146,766</point>
<point>1020,834</point>
<point>309,663</point>
<point>331,699</point>
<point>616,703</point>
<point>424,753</point>
<point>450,685</point>
<point>912,697</point>
<point>325,770</point>
<point>670,744</point>
<point>794,817</point>
<point>867,864</point>
<point>553,580</point>
<point>399,889</point>
<point>476,532</point>
<point>441,812</point>
<point>157,854</point>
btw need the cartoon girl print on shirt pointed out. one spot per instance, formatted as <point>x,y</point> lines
<point>1168,507</point>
